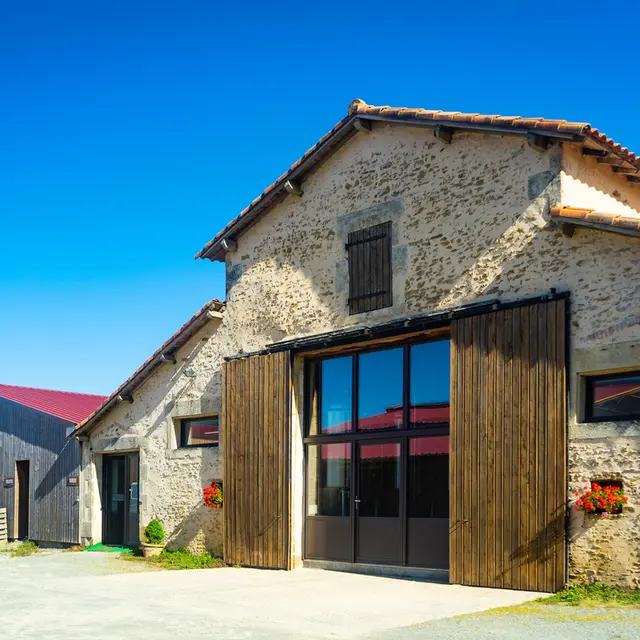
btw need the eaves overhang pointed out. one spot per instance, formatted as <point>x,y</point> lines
<point>166,353</point>
<point>360,117</point>
<point>610,222</point>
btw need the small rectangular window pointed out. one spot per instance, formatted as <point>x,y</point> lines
<point>370,277</point>
<point>613,397</point>
<point>200,432</point>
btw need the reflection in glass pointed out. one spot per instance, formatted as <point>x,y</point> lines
<point>616,398</point>
<point>336,395</point>
<point>198,432</point>
<point>329,479</point>
<point>379,469</point>
<point>429,383</point>
<point>380,390</point>
<point>428,477</point>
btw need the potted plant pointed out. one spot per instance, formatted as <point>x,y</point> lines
<point>603,501</point>
<point>213,495</point>
<point>154,539</point>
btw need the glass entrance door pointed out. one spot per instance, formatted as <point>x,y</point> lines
<point>377,503</point>
<point>120,523</point>
<point>377,456</point>
<point>113,507</point>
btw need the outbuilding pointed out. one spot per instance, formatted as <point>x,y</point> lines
<point>40,463</point>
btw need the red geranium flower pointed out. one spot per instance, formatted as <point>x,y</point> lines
<point>213,495</point>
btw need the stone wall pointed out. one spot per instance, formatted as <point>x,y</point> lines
<point>470,222</point>
<point>171,478</point>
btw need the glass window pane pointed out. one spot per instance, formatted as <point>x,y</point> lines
<point>429,383</point>
<point>336,395</point>
<point>380,390</point>
<point>379,482</point>
<point>201,432</point>
<point>616,398</point>
<point>428,477</point>
<point>329,479</point>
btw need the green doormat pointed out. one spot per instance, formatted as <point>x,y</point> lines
<point>103,547</point>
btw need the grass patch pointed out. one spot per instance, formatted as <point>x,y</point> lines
<point>27,548</point>
<point>594,594</point>
<point>180,559</point>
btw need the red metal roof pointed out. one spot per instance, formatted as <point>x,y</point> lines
<point>74,407</point>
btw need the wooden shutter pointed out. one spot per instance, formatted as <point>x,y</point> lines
<point>508,449</point>
<point>256,442</point>
<point>370,274</point>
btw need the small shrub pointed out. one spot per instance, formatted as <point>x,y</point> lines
<point>595,593</point>
<point>27,548</point>
<point>154,532</point>
<point>180,559</point>
<point>184,559</point>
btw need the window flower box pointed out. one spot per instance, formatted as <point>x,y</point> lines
<point>605,501</point>
<point>212,495</point>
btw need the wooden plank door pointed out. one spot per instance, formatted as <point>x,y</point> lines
<point>256,443</point>
<point>508,448</point>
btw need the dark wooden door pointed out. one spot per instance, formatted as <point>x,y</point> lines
<point>508,449</point>
<point>23,499</point>
<point>256,444</point>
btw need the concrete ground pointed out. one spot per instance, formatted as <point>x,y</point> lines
<point>100,596</point>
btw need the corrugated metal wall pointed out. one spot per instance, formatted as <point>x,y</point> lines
<point>27,434</point>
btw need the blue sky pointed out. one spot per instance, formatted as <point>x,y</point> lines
<point>133,131</point>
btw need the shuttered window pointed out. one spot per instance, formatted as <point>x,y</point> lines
<point>369,254</point>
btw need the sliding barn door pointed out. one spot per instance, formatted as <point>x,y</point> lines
<point>508,449</point>
<point>256,445</point>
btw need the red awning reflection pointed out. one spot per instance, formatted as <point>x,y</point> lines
<point>421,414</point>
<point>606,392</point>
<point>436,445</point>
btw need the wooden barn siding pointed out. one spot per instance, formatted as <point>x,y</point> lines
<point>508,449</point>
<point>28,434</point>
<point>256,442</point>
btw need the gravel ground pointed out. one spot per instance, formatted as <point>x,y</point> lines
<point>101,596</point>
<point>529,622</point>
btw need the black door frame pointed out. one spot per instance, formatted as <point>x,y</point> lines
<point>22,507</point>
<point>127,456</point>
<point>402,435</point>
<point>402,498</point>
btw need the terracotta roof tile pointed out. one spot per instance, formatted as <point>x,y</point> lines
<point>360,109</point>
<point>74,407</point>
<point>588,217</point>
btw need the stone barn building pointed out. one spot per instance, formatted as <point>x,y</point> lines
<point>432,336</point>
